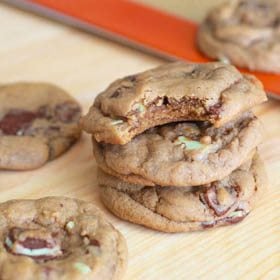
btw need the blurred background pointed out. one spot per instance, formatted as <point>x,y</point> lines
<point>191,9</point>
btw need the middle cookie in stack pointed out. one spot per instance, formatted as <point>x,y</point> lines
<point>188,157</point>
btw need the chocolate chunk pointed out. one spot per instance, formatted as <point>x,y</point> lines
<point>35,243</point>
<point>165,101</point>
<point>14,231</point>
<point>19,243</point>
<point>233,218</point>
<point>210,197</point>
<point>208,224</point>
<point>94,242</point>
<point>17,120</point>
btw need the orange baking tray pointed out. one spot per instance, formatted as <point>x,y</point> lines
<point>136,24</point>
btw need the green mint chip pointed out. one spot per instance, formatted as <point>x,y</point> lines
<point>236,214</point>
<point>139,107</point>
<point>116,122</point>
<point>189,144</point>
<point>70,225</point>
<point>82,267</point>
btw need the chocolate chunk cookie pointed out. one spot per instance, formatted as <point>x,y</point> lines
<point>58,238</point>
<point>172,209</point>
<point>245,32</point>
<point>181,154</point>
<point>213,92</point>
<point>38,122</point>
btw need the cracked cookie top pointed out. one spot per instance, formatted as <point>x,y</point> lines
<point>246,32</point>
<point>38,122</point>
<point>58,238</point>
<point>181,154</point>
<point>183,209</point>
<point>213,92</point>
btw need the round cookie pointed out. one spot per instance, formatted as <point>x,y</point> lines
<point>245,32</point>
<point>181,154</point>
<point>58,238</point>
<point>172,209</point>
<point>173,92</point>
<point>38,122</point>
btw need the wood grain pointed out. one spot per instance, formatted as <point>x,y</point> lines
<point>35,49</point>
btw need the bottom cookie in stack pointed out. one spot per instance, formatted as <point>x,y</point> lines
<point>182,209</point>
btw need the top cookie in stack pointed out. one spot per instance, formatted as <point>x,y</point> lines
<point>212,92</point>
<point>180,126</point>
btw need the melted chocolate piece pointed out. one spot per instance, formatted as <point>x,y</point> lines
<point>225,220</point>
<point>31,243</point>
<point>208,224</point>
<point>12,233</point>
<point>165,101</point>
<point>191,107</point>
<point>211,198</point>
<point>35,243</point>
<point>17,120</point>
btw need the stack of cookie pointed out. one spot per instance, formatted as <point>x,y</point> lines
<point>176,146</point>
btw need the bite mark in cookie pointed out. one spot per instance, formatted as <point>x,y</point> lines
<point>181,154</point>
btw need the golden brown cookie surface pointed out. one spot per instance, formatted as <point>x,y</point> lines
<point>213,92</point>
<point>38,122</point>
<point>181,154</point>
<point>245,32</point>
<point>174,209</point>
<point>58,238</point>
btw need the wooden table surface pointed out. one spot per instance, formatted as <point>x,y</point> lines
<point>35,49</point>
